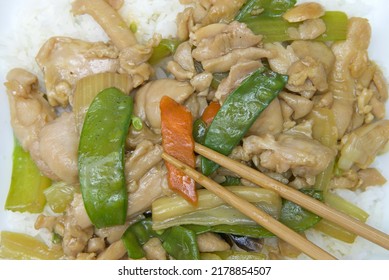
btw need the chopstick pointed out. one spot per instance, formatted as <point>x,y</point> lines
<point>256,214</point>
<point>349,223</point>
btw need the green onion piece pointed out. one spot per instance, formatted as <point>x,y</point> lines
<point>165,48</point>
<point>27,184</point>
<point>275,29</point>
<point>137,123</point>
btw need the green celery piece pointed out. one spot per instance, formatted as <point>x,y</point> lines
<point>27,184</point>
<point>275,29</point>
<point>164,49</point>
<point>271,8</point>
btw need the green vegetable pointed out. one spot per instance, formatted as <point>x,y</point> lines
<point>232,255</point>
<point>255,231</point>
<point>59,195</point>
<point>231,181</point>
<point>179,242</point>
<point>342,205</point>
<point>137,123</point>
<point>101,157</point>
<point>19,246</point>
<point>239,111</point>
<point>218,77</point>
<point>269,8</point>
<point>165,48</point>
<point>275,29</point>
<point>212,210</point>
<point>296,217</point>
<point>27,184</point>
<point>199,131</point>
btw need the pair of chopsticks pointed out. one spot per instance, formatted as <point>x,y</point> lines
<point>264,219</point>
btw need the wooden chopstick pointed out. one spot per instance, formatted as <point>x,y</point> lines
<point>253,212</point>
<point>353,225</point>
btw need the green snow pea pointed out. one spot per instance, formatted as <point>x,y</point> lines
<point>101,157</point>
<point>179,242</point>
<point>239,111</point>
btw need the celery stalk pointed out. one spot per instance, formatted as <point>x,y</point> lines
<point>342,205</point>
<point>165,48</point>
<point>275,29</point>
<point>27,184</point>
<point>18,246</point>
<point>59,195</point>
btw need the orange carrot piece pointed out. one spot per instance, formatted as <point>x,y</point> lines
<point>177,141</point>
<point>210,112</point>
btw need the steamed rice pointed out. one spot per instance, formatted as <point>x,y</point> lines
<point>36,21</point>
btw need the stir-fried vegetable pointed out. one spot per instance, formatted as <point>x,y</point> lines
<point>331,229</point>
<point>178,241</point>
<point>87,88</point>
<point>27,184</point>
<point>201,125</point>
<point>275,29</point>
<point>59,195</point>
<point>18,246</point>
<point>177,140</point>
<point>232,255</point>
<point>265,8</point>
<point>239,111</point>
<point>101,157</point>
<point>164,49</point>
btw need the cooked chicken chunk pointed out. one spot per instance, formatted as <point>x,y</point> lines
<point>30,112</point>
<point>65,60</point>
<point>58,146</point>
<point>304,156</point>
<point>148,97</point>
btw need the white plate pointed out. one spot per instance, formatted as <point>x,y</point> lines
<point>17,22</point>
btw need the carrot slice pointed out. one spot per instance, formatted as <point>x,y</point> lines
<point>210,112</point>
<point>177,141</point>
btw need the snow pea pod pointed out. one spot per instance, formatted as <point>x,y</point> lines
<point>101,157</point>
<point>239,111</point>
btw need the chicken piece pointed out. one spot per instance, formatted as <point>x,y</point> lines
<point>370,177</point>
<point>212,11</point>
<point>116,4</point>
<point>135,137</point>
<point>206,32</point>
<point>141,160</point>
<point>234,36</point>
<point>225,62</point>
<point>185,23</point>
<point>65,60</point>
<point>77,228</point>
<point>270,121</point>
<point>154,250</point>
<point>133,60</point>
<point>111,234</point>
<point>115,251</point>
<point>30,112</point>
<point>182,65</point>
<point>351,60</point>
<point>151,186</point>
<point>109,19</point>
<point>362,145</point>
<point>235,77</point>
<point>304,156</point>
<point>301,106</point>
<point>58,147</point>
<point>304,11</point>
<point>282,59</point>
<point>201,82</point>
<point>96,245</point>
<point>308,30</point>
<point>211,242</point>
<point>148,97</point>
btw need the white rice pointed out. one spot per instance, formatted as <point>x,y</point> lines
<point>33,22</point>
